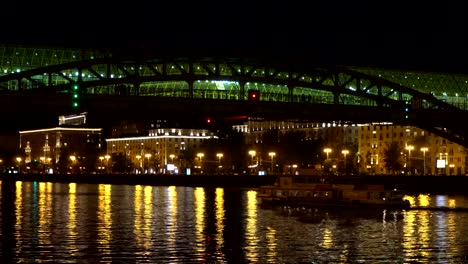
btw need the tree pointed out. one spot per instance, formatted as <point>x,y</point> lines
<point>392,158</point>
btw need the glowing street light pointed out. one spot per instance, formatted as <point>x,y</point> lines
<point>409,148</point>
<point>148,156</point>
<point>252,154</point>
<point>200,156</point>
<point>424,149</point>
<point>219,155</point>
<point>327,151</point>
<point>73,159</point>
<point>19,159</point>
<point>138,157</point>
<point>272,155</point>
<point>345,152</point>
<point>107,157</point>
<point>172,156</point>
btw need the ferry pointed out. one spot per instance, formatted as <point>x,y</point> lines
<point>313,191</point>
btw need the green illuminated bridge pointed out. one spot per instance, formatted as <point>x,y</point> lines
<point>87,80</point>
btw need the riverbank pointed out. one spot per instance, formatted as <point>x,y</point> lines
<point>225,181</point>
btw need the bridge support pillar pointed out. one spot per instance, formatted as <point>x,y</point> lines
<point>290,93</point>
<point>190,88</point>
<point>242,90</point>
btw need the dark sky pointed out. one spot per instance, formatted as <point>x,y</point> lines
<point>421,35</point>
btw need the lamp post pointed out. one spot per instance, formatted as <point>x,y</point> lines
<point>220,156</point>
<point>272,155</point>
<point>138,157</point>
<point>107,157</point>
<point>172,156</point>
<point>409,148</point>
<point>200,156</point>
<point>73,159</point>
<point>252,154</point>
<point>148,156</point>
<point>327,151</point>
<point>19,159</point>
<point>345,152</point>
<point>424,149</point>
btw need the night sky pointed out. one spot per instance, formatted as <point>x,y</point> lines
<point>426,36</point>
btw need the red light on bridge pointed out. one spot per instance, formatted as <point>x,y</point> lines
<point>254,95</point>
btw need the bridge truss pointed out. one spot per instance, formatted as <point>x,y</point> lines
<point>215,78</point>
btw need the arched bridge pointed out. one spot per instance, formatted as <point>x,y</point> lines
<point>226,87</point>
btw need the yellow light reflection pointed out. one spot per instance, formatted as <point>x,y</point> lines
<point>19,211</point>
<point>424,200</point>
<point>272,245</point>
<point>104,218</point>
<point>451,229</point>
<point>45,213</point>
<point>220,214</point>
<point>327,238</point>
<point>410,199</point>
<point>147,213</point>
<point>409,237</point>
<point>251,228</point>
<point>143,215</point>
<point>424,229</point>
<point>171,217</point>
<point>138,223</point>
<point>200,219</point>
<point>72,217</point>
<point>452,203</point>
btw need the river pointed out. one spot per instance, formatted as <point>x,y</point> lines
<point>45,222</point>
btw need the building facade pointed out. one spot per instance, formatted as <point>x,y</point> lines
<point>422,152</point>
<point>159,148</point>
<point>71,138</point>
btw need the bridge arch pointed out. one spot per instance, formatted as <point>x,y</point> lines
<point>229,79</point>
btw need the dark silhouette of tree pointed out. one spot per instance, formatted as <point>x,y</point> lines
<point>120,163</point>
<point>91,153</point>
<point>64,160</point>
<point>392,158</point>
<point>187,157</point>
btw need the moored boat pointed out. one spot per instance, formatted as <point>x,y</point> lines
<point>302,191</point>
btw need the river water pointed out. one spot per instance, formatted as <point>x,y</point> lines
<point>98,223</point>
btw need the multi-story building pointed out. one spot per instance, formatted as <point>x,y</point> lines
<point>47,145</point>
<point>342,135</point>
<point>160,147</point>
<point>422,152</point>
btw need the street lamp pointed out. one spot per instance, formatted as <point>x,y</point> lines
<point>252,154</point>
<point>424,149</point>
<point>107,157</point>
<point>172,156</point>
<point>73,159</point>
<point>138,157</point>
<point>200,156</point>
<point>219,155</point>
<point>148,156</point>
<point>345,152</point>
<point>327,151</point>
<point>272,155</point>
<point>19,159</point>
<point>409,148</point>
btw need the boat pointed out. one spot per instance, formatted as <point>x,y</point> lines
<point>293,190</point>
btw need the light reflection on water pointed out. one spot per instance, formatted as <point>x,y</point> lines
<point>70,223</point>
